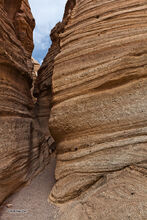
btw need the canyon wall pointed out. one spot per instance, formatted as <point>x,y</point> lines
<point>24,149</point>
<point>99,109</point>
<point>93,86</point>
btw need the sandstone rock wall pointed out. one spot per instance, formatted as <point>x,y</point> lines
<point>34,76</point>
<point>24,149</point>
<point>43,83</point>
<point>99,110</point>
<point>94,79</point>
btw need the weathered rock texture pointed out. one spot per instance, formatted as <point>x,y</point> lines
<point>23,146</point>
<point>99,109</point>
<point>43,83</point>
<point>36,67</point>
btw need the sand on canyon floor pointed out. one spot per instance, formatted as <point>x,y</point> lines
<point>30,203</point>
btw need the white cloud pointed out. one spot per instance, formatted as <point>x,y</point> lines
<point>46,13</point>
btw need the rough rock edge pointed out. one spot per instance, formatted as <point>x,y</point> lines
<point>43,84</point>
<point>22,67</point>
<point>55,35</point>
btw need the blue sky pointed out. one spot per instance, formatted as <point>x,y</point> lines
<point>46,13</point>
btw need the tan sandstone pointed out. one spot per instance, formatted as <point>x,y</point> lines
<point>99,110</point>
<point>93,86</point>
<point>24,149</point>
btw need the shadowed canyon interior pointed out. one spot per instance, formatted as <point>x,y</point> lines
<point>24,147</point>
<point>91,93</point>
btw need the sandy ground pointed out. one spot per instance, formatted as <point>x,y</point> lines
<point>31,202</point>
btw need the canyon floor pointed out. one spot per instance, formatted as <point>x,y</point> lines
<point>31,201</point>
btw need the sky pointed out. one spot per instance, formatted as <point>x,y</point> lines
<point>46,13</point>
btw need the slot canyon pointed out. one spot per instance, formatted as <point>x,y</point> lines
<point>86,105</point>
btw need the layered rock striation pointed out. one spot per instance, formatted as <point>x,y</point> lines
<point>99,109</point>
<point>24,149</point>
<point>94,80</point>
<point>43,83</point>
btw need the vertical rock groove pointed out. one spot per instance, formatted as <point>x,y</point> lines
<point>43,84</point>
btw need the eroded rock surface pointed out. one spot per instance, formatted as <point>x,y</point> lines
<point>99,110</point>
<point>94,79</point>
<point>34,75</point>
<point>43,83</point>
<point>24,147</point>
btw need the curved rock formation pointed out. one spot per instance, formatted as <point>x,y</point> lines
<point>43,83</point>
<point>99,109</point>
<point>34,75</point>
<point>23,146</point>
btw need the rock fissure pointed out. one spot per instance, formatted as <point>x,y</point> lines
<point>89,106</point>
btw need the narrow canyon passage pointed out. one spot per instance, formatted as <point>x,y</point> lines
<point>30,203</point>
<point>89,102</point>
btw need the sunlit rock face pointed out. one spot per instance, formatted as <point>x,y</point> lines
<point>23,145</point>
<point>34,75</point>
<point>99,110</point>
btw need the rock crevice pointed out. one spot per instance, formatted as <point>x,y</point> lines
<point>91,92</point>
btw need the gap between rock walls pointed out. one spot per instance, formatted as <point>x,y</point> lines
<point>26,97</point>
<point>89,96</point>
